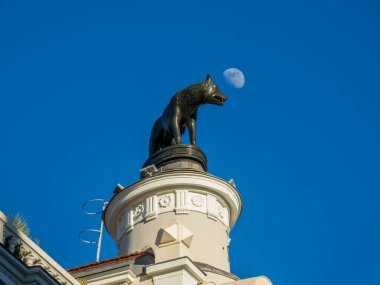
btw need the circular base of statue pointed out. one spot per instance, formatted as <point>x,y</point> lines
<point>175,157</point>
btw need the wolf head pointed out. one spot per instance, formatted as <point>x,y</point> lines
<point>212,94</point>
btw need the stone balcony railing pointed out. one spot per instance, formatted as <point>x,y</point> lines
<point>30,253</point>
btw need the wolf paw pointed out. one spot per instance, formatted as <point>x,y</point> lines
<point>174,142</point>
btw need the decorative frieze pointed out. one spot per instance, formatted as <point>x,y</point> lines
<point>28,252</point>
<point>180,201</point>
<point>29,258</point>
<point>178,193</point>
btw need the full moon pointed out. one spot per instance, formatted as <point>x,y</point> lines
<point>234,77</point>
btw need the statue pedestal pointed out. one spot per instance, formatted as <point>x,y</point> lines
<point>176,157</point>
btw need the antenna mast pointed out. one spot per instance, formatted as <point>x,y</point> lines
<point>100,231</point>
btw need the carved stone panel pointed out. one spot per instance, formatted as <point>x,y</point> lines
<point>166,202</point>
<point>197,202</point>
<point>138,213</point>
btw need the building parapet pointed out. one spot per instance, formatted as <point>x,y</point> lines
<point>30,253</point>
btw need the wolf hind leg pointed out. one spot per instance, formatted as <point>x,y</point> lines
<point>176,130</point>
<point>192,131</point>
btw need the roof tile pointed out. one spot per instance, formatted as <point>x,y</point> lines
<point>108,261</point>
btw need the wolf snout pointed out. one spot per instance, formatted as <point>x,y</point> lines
<point>223,98</point>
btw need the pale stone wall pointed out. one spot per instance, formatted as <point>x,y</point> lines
<point>209,243</point>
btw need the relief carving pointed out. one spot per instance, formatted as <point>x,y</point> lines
<point>138,211</point>
<point>221,212</point>
<point>164,201</point>
<point>197,201</point>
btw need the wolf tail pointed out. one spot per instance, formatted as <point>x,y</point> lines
<point>155,140</point>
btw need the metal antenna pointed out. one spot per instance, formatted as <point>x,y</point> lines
<point>100,231</point>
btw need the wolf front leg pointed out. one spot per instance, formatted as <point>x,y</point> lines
<point>176,130</point>
<point>191,127</point>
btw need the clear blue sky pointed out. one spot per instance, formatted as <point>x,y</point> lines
<point>81,83</point>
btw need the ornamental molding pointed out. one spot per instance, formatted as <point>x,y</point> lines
<point>178,201</point>
<point>23,248</point>
<point>210,184</point>
<point>182,188</point>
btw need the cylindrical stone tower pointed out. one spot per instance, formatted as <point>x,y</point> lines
<point>176,209</point>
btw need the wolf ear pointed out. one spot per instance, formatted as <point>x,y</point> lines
<point>208,78</point>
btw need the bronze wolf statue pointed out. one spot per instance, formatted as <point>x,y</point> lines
<point>181,112</point>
